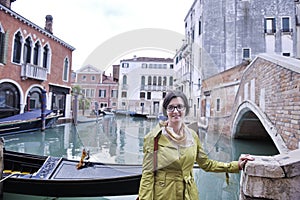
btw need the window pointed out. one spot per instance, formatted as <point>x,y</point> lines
<point>159,80</point>
<point>3,45</point>
<point>270,25</point>
<point>36,53</point>
<point>88,93</point>
<point>218,104</point>
<point>246,53</point>
<point>154,80</point>
<point>148,95</point>
<point>124,80</point>
<point>199,28</point>
<point>286,54</point>
<point>144,65</point>
<point>171,81</point>
<point>114,93</point>
<point>66,70</point>
<point>171,66</point>
<point>27,51</point>
<point>92,92</point>
<point>93,78</point>
<point>149,80</point>
<point>46,57</point>
<point>143,79</point>
<point>84,78</point>
<point>125,65</point>
<point>17,48</point>
<point>286,24</point>
<point>9,100</point>
<point>142,95</point>
<point>124,94</point>
<point>164,81</point>
<point>102,93</point>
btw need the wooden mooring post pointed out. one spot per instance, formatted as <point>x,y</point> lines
<point>1,166</point>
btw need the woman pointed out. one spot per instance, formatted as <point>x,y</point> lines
<point>170,151</point>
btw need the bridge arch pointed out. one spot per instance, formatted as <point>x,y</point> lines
<point>249,116</point>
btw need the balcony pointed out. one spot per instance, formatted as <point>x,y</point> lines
<point>153,88</point>
<point>186,77</point>
<point>286,30</point>
<point>34,72</point>
<point>186,49</point>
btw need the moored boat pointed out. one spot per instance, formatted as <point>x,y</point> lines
<point>59,177</point>
<point>27,122</point>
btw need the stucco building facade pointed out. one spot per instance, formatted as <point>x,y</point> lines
<point>143,83</point>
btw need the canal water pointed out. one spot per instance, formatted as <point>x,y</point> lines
<point>119,139</point>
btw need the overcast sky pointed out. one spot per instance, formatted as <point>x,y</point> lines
<point>86,24</point>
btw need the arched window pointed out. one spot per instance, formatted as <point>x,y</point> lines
<point>27,51</point>
<point>165,81</point>
<point>46,57</point>
<point>17,48</point>
<point>36,53</point>
<point>9,100</point>
<point>3,46</point>
<point>159,80</point>
<point>124,80</point>
<point>34,99</point>
<point>66,70</point>
<point>149,80</point>
<point>143,79</point>
<point>154,80</point>
<point>171,81</point>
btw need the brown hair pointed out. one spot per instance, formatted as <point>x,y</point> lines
<point>174,94</point>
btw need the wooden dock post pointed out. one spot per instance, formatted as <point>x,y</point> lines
<point>43,109</point>
<point>75,109</point>
<point>1,165</point>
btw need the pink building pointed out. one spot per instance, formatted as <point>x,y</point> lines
<point>97,87</point>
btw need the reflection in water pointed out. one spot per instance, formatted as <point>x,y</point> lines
<point>117,139</point>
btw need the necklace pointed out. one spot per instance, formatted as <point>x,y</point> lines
<point>178,138</point>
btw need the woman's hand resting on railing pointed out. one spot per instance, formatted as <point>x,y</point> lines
<point>243,160</point>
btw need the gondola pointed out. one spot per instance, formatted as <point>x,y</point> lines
<point>27,122</point>
<point>60,177</point>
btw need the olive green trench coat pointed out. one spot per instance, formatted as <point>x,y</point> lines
<point>174,177</point>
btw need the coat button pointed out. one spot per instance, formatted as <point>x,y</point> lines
<point>162,184</point>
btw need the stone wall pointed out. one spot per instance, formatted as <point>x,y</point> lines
<point>272,177</point>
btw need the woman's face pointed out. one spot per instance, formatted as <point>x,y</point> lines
<point>176,110</point>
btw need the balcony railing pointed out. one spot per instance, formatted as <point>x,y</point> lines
<point>186,77</point>
<point>154,87</point>
<point>34,72</point>
<point>287,30</point>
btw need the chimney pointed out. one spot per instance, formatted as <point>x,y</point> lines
<point>48,24</point>
<point>6,3</point>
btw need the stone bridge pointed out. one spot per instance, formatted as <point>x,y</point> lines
<point>260,100</point>
<point>268,101</point>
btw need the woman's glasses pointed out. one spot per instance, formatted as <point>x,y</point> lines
<point>179,107</point>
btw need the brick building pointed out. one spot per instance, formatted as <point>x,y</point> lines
<point>32,59</point>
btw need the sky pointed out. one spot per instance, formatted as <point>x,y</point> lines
<point>87,25</point>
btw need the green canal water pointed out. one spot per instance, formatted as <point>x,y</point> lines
<point>119,139</point>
